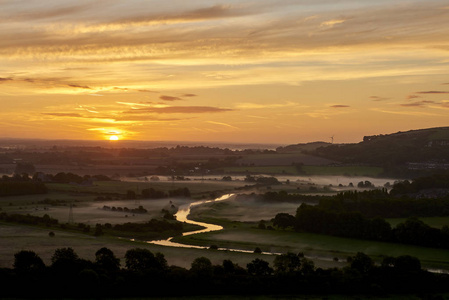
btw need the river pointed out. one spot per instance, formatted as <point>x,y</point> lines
<point>183,213</point>
<point>182,216</point>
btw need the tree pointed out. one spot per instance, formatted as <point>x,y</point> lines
<point>307,266</point>
<point>27,261</point>
<point>139,260</point>
<point>259,267</point>
<point>64,255</point>
<point>261,225</point>
<point>288,263</point>
<point>284,220</point>
<point>106,260</point>
<point>407,263</point>
<point>202,266</point>
<point>362,262</point>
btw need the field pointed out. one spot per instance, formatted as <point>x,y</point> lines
<point>247,236</point>
<point>239,218</point>
<point>307,170</point>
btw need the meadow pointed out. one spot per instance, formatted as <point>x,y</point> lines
<point>239,218</point>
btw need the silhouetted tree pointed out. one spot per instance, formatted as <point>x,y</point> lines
<point>259,267</point>
<point>105,259</point>
<point>26,261</point>
<point>288,263</point>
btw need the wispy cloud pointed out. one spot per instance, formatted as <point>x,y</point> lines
<point>179,110</point>
<point>332,23</point>
<point>249,105</point>
<point>71,115</point>
<point>433,92</point>
<point>222,124</point>
<point>169,98</point>
<point>339,106</point>
<point>377,98</point>
<point>407,113</point>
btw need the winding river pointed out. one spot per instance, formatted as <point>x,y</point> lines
<point>183,213</point>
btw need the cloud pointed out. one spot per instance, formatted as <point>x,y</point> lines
<point>146,91</point>
<point>407,113</point>
<point>332,23</point>
<point>169,98</point>
<point>248,105</point>
<point>222,124</point>
<point>134,103</point>
<point>416,104</point>
<point>200,14</point>
<point>377,98</point>
<point>433,92</point>
<point>189,95</point>
<point>57,82</point>
<point>179,110</point>
<point>409,97</point>
<point>71,115</point>
<point>40,13</point>
<point>339,106</point>
<point>422,103</point>
<point>79,86</point>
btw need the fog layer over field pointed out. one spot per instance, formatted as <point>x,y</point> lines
<point>93,212</point>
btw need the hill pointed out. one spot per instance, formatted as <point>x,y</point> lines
<point>424,149</point>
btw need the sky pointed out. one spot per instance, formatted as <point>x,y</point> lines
<point>285,71</point>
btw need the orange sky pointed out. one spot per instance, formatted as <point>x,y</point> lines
<point>230,71</point>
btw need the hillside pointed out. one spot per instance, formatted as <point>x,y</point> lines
<point>412,150</point>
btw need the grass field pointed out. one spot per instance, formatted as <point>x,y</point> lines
<point>245,235</point>
<point>19,237</point>
<point>238,217</point>
<point>322,248</point>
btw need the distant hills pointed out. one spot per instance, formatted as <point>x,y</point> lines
<point>423,149</point>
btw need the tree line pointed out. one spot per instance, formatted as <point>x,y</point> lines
<point>147,274</point>
<point>20,185</point>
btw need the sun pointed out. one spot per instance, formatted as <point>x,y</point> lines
<point>113,138</point>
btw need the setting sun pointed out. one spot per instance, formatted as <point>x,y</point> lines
<point>113,138</point>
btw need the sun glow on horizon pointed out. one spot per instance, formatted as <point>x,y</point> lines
<point>113,138</point>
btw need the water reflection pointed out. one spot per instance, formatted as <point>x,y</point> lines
<point>183,213</point>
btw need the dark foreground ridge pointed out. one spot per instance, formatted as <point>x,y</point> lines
<point>148,275</point>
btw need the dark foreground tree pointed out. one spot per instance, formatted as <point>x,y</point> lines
<point>105,259</point>
<point>26,261</point>
<point>140,260</point>
<point>259,267</point>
